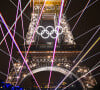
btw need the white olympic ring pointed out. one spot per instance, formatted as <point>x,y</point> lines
<point>38,29</point>
<point>41,30</point>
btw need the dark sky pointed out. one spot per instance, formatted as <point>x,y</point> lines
<point>90,19</point>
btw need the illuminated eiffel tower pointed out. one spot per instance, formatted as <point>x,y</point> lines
<point>40,55</point>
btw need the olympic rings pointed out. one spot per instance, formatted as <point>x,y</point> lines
<point>49,31</point>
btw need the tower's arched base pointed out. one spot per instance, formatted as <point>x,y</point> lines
<point>57,75</point>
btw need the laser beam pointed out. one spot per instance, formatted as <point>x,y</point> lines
<point>78,63</point>
<point>18,49</point>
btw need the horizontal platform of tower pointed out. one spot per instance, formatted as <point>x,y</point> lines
<point>51,6</point>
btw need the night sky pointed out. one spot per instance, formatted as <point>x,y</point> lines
<point>90,19</point>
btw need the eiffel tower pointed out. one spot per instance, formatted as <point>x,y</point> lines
<point>40,55</point>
